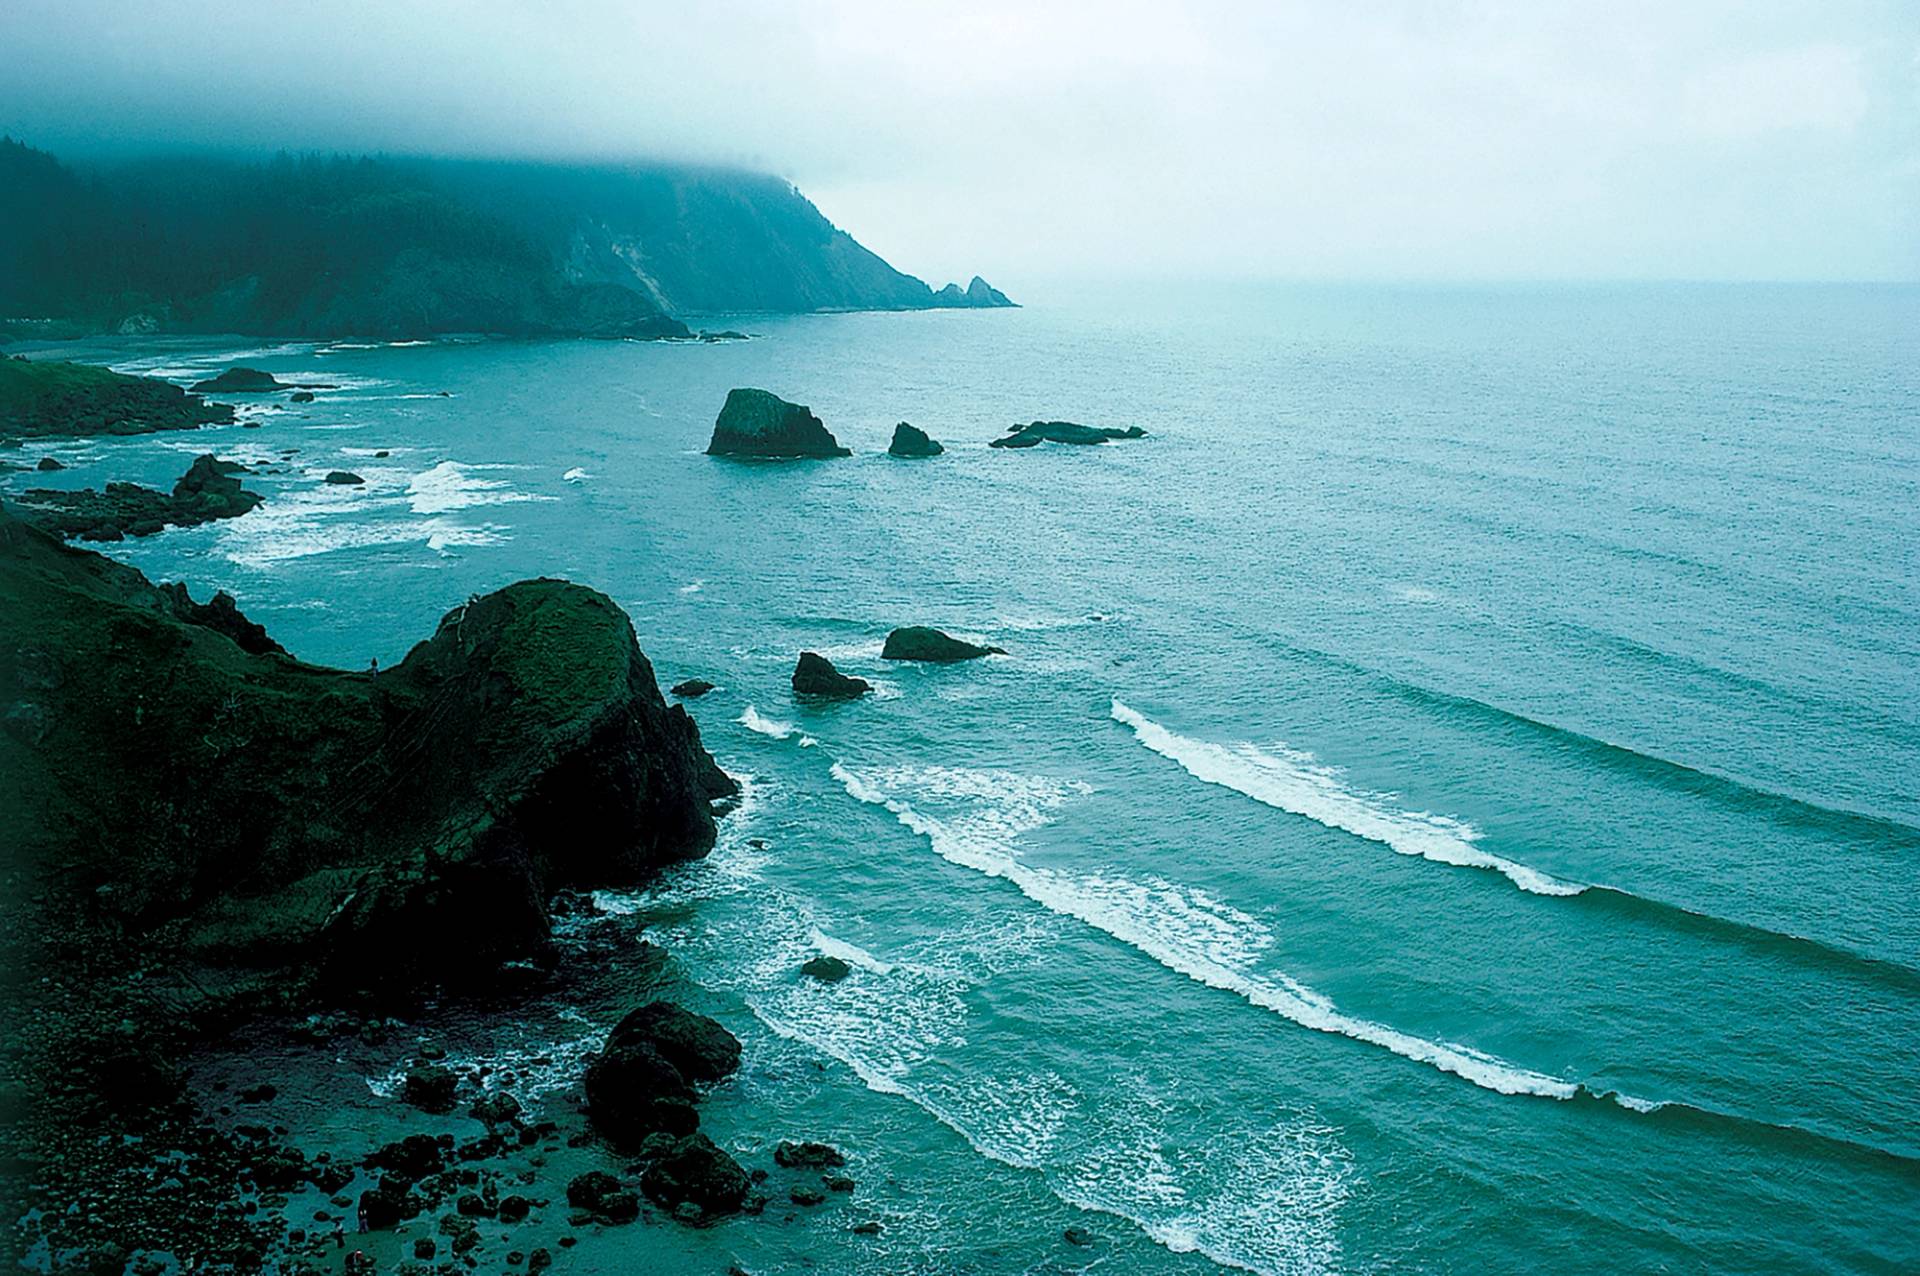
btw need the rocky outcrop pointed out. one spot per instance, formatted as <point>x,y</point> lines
<point>814,675</point>
<point>918,642</point>
<point>239,380</point>
<point>300,396</point>
<point>909,440</point>
<point>977,295</point>
<point>640,1083</point>
<point>222,615</point>
<point>692,1171</point>
<point>375,832</point>
<point>756,423</point>
<point>692,688</point>
<point>49,398</point>
<point>826,968</point>
<point>807,1155</point>
<point>208,490</point>
<point>344,478</point>
<point>1038,432</point>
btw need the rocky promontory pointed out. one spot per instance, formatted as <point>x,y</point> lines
<point>1038,432</point>
<point>199,828</point>
<point>208,490</point>
<point>51,399</point>
<point>919,642</point>
<point>756,423</point>
<point>910,440</point>
<point>977,295</point>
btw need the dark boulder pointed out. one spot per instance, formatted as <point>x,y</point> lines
<point>814,675</point>
<point>429,1087</point>
<point>300,396</point>
<point>918,642</point>
<point>828,970</point>
<point>807,1155</point>
<point>412,1158</point>
<point>633,1091</point>
<point>239,381</point>
<point>600,1194</point>
<point>698,1047</point>
<point>48,465</point>
<point>1038,432</point>
<point>344,478</point>
<point>387,1204</point>
<point>757,423</point>
<point>695,1171</point>
<point>911,441</point>
<point>692,688</point>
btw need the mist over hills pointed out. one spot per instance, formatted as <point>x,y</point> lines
<point>328,246</point>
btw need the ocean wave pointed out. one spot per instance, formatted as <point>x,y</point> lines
<point>452,485</point>
<point>851,953</point>
<point>753,720</point>
<point>1294,781</point>
<point>1880,832</point>
<point>1188,933</point>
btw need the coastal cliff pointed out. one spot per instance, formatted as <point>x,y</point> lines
<point>390,248</point>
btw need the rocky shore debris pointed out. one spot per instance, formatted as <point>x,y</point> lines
<point>909,440</point>
<point>1038,432</point>
<point>814,675</point>
<point>757,423</point>
<point>208,490</point>
<point>919,642</point>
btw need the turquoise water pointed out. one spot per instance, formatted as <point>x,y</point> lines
<point>1449,804</point>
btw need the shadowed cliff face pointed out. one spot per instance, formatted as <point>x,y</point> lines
<point>246,814</point>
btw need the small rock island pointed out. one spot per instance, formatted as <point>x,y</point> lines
<point>757,423</point>
<point>910,440</point>
<point>1038,432</point>
<point>815,676</point>
<point>919,642</point>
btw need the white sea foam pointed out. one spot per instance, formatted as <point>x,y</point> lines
<point>692,587</point>
<point>576,475</point>
<point>852,954</point>
<point>1293,781</point>
<point>1184,931</point>
<point>452,485</point>
<point>753,720</point>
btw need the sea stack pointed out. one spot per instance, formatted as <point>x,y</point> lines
<point>918,642</point>
<point>815,675</point>
<point>910,440</point>
<point>756,423</point>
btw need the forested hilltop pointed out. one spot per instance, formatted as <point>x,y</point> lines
<point>391,248</point>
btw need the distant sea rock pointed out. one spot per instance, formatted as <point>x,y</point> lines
<point>826,968</point>
<point>1038,432</point>
<point>978,295</point>
<point>911,441</point>
<point>300,396</point>
<point>918,642</point>
<point>344,478</point>
<point>692,688</point>
<point>240,381</point>
<point>44,398</point>
<point>815,675</point>
<point>756,423</point>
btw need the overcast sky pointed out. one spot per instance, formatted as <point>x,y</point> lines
<point>1031,139</point>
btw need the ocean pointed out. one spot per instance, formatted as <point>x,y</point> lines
<point>1451,800</point>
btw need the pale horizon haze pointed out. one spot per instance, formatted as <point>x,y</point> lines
<point>1079,141</point>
